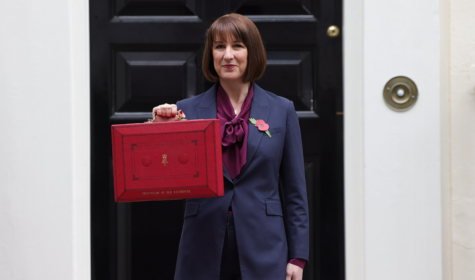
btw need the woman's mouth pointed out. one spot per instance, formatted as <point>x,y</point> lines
<point>229,66</point>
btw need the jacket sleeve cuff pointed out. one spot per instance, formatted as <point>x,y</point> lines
<point>298,262</point>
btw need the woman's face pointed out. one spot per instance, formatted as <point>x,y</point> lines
<point>230,58</point>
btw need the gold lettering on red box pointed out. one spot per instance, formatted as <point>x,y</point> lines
<point>150,193</point>
<point>183,191</point>
<point>167,192</point>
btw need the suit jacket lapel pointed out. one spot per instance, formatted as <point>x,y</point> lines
<point>207,110</point>
<point>207,106</point>
<point>260,111</point>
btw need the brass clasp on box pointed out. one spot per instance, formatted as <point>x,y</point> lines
<point>400,93</point>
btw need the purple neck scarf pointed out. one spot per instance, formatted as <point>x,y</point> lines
<point>234,131</point>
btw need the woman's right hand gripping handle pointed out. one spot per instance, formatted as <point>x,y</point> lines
<point>166,113</point>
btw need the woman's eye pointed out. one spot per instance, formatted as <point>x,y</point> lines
<point>238,46</point>
<point>219,46</point>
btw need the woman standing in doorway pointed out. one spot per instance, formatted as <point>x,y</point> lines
<point>251,233</point>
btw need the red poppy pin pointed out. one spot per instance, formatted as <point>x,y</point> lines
<point>261,125</point>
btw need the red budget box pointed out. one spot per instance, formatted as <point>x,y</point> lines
<point>171,160</point>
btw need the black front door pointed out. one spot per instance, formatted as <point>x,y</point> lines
<point>148,52</point>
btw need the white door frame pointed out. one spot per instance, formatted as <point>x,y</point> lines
<point>395,202</point>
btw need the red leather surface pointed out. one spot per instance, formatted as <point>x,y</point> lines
<point>162,161</point>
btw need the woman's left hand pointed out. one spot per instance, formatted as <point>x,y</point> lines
<point>294,272</point>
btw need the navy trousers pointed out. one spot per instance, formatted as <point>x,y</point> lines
<point>230,260</point>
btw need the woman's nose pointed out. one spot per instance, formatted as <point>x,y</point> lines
<point>228,55</point>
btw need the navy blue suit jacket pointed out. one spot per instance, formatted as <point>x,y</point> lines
<point>268,233</point>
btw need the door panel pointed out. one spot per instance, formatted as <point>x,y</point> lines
<point>137,84</point>
<point>289,74</point>
<point>149,52</point>
<point>156,7</point>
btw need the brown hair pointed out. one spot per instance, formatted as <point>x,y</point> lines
<point>244,30</point>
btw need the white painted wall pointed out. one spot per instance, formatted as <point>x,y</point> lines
<point>44,143</point>
<point>402,154</point>
<point>394,161</point>
<point>462,138</point>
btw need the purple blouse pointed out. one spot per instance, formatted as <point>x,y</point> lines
<point>234,131</point>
